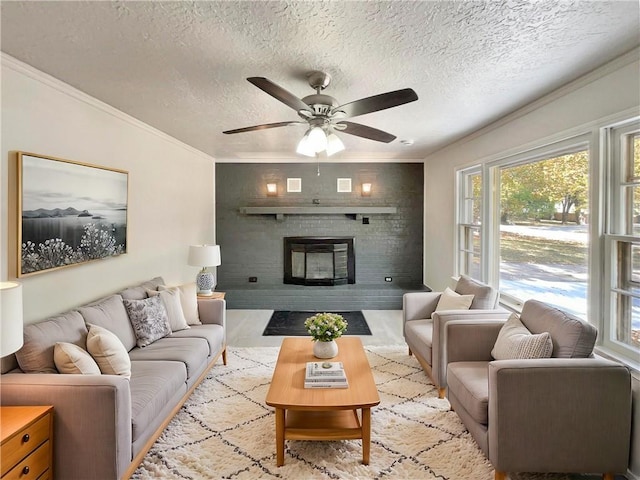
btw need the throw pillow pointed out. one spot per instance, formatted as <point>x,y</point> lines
<point>72,359</point>
<point>171,300</point>
<point>108,352</point>
<point>516,341</point>
<point>450,300</point>
<point>149,319</point>
<point>188,300</point>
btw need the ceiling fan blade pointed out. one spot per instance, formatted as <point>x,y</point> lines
<point>367,132</point>
<point>279,93</point>
<point>264,127</point>
<point>377,102</point>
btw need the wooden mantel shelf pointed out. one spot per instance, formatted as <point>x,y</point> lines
<point>280,212</point>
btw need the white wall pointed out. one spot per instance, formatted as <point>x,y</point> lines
<point>171,188</point>
<point>581,107</point>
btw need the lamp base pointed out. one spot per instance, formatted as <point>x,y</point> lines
<point>205,283</point>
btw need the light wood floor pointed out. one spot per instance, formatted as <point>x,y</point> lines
<point>245,327</point>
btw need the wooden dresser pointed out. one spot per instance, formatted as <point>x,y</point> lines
<point>26,451</point>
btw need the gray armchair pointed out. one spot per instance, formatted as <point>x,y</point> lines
<point>570,413</point>
<point>422,324</point>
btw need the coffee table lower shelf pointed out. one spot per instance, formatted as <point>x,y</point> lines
<point>322,425</point>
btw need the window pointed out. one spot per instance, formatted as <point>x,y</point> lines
<point>622,317</point>
<point>469,222</point>
<point>543,242</point>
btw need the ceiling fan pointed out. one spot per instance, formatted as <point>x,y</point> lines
<point>325,115</point>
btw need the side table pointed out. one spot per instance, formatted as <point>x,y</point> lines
<point>214,295</point>
<point>26,448</point>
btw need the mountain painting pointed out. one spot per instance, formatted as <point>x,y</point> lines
<point>70,213</point>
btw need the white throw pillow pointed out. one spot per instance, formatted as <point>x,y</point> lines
<point>188,300</point>
<point>108,352</point>
<point>516,341</point>
<point>70,358</point>
<point>171,300</point>
<point>450,300</point>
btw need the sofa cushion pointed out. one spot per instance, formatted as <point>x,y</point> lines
<point>213,334</point>
<point>72,359</point>
<point>450,300</point>
<point>192,352</point>
<point>189,301</point>
<point>571,336</point>
<point>171,300</point>
<point>138,292</point>
<point>149,319</point>
<point>37,353</point>
<point>515,341</point>
<point>484,296</point>
<point>108,352</point>
<point>153,385</point>
<point>470,383</point>
<point>110,313</point>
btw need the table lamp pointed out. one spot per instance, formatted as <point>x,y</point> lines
<point>205,256</point>
<point>11,336</point>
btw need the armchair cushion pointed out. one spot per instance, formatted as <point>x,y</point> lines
<point>571,336</point>
<point>515,341</point>
<point>470,382</point>
<point>450,300</point>
<point>484,296</point>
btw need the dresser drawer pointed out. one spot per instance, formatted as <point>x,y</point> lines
<point>22,444</point>
<point>31,467</point>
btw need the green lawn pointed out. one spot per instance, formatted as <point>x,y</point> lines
<point>516,248</point>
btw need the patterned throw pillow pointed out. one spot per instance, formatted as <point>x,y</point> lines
<point>149,319</point>
<point>516,341</point>
<point>72,359</point>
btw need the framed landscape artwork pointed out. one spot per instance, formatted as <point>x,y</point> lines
<point>68,213</point>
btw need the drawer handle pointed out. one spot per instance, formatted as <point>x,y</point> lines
<point>25,470</point>
<point>25,438</point>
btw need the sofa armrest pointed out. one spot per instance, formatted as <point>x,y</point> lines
<point>568,415</point>
<point>440,335</point>
<point>89,411</point>
<point>212,311</point>
<point>419,305</point>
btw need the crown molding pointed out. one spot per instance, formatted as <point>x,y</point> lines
<point>7,61</point>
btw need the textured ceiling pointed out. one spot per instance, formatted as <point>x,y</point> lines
<point>182,66</point>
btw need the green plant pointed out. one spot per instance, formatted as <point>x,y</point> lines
<point>325,327</point>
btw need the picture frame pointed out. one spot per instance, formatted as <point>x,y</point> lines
<point>69,213</point>
<point>294,185</point>
<point>344,185</point>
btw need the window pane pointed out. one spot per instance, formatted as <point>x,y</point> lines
<point>543,231</point>
<point>627,313</point>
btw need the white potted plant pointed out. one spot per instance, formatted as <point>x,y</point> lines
<point>324,328</point>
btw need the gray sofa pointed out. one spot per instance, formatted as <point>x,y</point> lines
<point>105,424</point>
<point>567,413</point>
<point>423,325</point>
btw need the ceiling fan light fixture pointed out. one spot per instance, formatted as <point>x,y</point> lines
<point>305,147</point>
<point>334,144</point>
<point>318,139</point>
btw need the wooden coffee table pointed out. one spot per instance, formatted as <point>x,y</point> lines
<point>322,413</point>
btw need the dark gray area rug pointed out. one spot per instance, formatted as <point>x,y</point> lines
<point>291,323</point>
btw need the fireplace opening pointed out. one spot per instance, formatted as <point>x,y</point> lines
<point>319,260</point>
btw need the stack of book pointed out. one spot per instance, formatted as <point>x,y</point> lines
<point>325,375</point>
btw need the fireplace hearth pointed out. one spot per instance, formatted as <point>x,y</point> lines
<point>319,261</point>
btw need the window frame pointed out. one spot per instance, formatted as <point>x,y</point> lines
<point>464,228</point>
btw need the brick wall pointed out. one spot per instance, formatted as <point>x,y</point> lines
<point>390,245</point>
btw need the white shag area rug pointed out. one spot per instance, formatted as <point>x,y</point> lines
<point>226,431</point>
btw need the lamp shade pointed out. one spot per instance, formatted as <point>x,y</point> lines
<point>11,336</point>
<point>204,255</point>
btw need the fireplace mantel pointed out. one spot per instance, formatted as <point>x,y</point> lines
<point>280,212</point>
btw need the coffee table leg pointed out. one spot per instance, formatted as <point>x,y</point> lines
<point>280,436</point>
<point>366,435</point>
